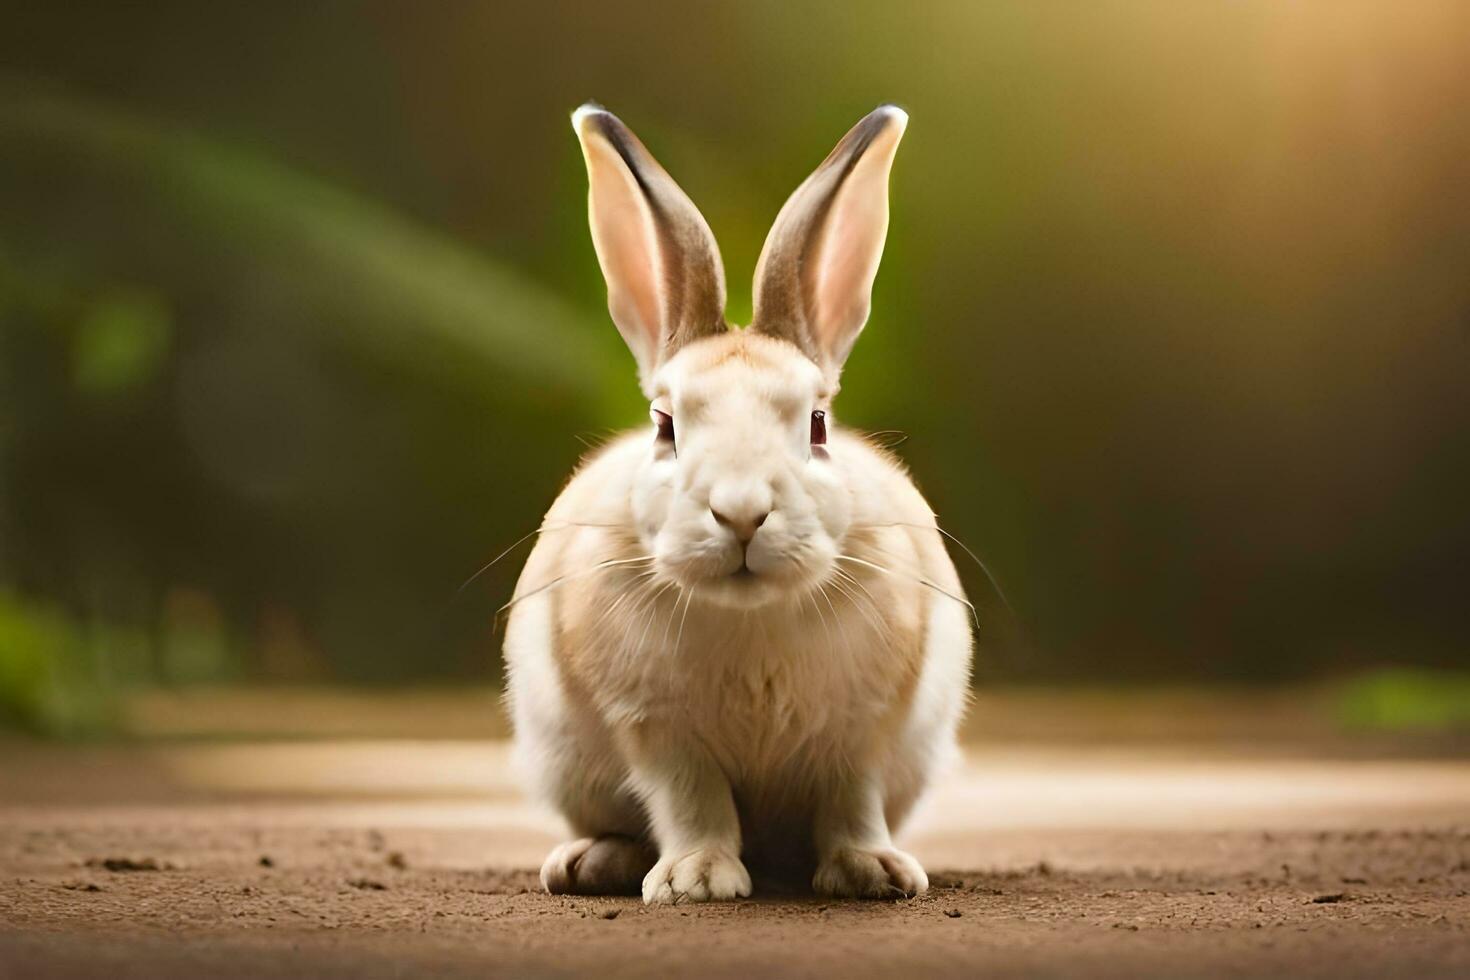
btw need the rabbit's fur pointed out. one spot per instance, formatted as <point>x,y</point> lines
<point>736,645</point>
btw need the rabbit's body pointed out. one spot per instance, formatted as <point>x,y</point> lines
<point>781,698</point>
<point>737,640</point>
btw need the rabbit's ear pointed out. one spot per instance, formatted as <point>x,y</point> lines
<point>814,280</point>
<point>665,283</point>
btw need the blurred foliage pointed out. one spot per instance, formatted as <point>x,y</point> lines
<point>45,683</point>
<point>1406,700</point>
<point>119,344</point>
<point>300,323</point>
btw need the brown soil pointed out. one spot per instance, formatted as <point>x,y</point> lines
<point>394,859</point>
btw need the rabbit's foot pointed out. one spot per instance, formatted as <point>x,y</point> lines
<point>709,874</point>
<point>608,865</point>
<point>883,872</point>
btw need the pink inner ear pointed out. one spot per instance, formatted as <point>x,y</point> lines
<point>850,249</point>
<point>626,243</point>
<point>845,270</point>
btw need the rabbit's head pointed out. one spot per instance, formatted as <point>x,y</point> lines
<point>738,496</point>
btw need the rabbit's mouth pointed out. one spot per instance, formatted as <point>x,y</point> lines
<point>743,588</point>
<point>781,564</point>
<point>751,588</point>
<point>744,582</point>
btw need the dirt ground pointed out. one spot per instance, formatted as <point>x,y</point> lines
<point>409,858</point>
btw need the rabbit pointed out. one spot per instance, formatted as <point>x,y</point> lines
<point>739,641</point>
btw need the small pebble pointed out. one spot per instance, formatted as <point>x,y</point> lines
<point>129,864</point>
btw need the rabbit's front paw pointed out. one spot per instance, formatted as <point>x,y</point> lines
<point>710,874</point>
<point>854,872</point>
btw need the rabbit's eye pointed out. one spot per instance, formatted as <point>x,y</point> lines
<point>819,428</point>
<point>665,423</point>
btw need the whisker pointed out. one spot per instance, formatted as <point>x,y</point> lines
<point>600,566</point>
<point>836,618</point>
<point>620,600</point>
<point>673,608</point>
<point>866,608</point>
<point>841,622</point>
<point>918,580</point>
<point>652,614</point>
<point>491,563</point>
<point>652,606</point>
<point>894,438</point>
<point>597,438</point>
<point>590,441</point>
<point>994,583</point>
<point>831,648</point>
<point>849,577</point>
<point>688,601</point>
<point>545,526</point>
<point>632,618</point>
<point>559,524</point>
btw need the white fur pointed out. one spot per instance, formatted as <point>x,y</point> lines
<point>736,646</point>
<point>680,702</point>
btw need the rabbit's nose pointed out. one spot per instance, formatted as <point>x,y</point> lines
<point>741,505</point>
<point>744,527</point>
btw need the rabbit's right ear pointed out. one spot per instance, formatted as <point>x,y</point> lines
<point>814,280</point>
<point>665,283</point>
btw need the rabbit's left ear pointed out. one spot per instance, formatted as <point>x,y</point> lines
<point>814,280</point>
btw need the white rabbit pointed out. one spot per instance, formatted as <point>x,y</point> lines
<point>739,639</point>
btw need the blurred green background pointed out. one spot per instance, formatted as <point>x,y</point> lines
<point>300,322</point>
